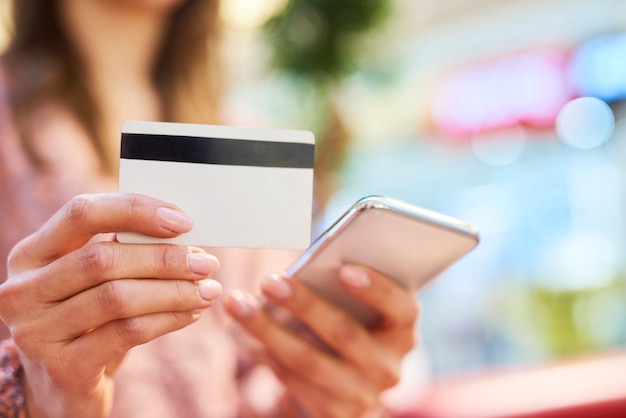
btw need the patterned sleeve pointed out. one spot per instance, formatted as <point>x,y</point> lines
<point>11,395</point>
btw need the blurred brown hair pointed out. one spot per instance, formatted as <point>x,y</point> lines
<point>41,64</point>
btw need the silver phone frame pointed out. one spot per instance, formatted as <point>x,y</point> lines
<point>386,203</point>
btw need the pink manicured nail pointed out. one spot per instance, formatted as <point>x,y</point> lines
<point>209,289</point>
<point>242,306</point>
<point>355,276</point>
<point>174,220</point>
<point>277,286</point>
<point>202,263</point>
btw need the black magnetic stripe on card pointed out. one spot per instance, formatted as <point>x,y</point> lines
<point>221,151</point>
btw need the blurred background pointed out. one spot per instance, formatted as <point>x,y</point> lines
<point>506,114</point>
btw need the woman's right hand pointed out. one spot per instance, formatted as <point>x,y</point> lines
<point>75,305</point>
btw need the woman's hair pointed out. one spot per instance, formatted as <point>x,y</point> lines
<point>42,64</point>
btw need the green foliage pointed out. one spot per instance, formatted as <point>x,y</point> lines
<point>566,322</point>
<point>319,38</point>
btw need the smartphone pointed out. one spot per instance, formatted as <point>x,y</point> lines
<point>406,243</point>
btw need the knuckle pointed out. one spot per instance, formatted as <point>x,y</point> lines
<point>16,295</point>
<point>57,374</point>
<point>304,362</point>
<point>111,299</point>
<point>168,256</point>
<point>407,330</point>
<point>8,294</point>
<point>135,207</point>
<point>306,302</point>
<point>389,377</point>
<point>411,341</point>
<point>130,331</point>
<point>343,331</point>
<point>362,401</point>
<point>97,259</point>
<point>353,411</point>
<point>27,336</point>
<point>407,315</point>
<point>182,293</point>
<point>177,320</point>
<point>18,253</point>
<point>385,291</point>
<point>413,311</point>
<point>141,329</point>
<point>22,335</point>
<point>369,400</point>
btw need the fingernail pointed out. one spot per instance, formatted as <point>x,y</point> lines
<point>209,289</point>
<point>277,287</point>
<point>242,306</point>
<point>355,276</point>
<point>202,263</point>
<point>174,220</point>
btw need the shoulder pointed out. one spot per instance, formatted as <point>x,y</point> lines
<point>60,141</point>
<point>49,130</point>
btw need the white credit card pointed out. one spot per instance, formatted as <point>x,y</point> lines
<point>243,187</point>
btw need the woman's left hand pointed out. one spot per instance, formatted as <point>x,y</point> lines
<point>365,362</point>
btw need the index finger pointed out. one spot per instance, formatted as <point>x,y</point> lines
<point>85,216</point>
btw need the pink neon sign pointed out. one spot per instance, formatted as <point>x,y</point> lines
<point>528,89</point>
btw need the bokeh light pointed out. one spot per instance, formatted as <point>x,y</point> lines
<point>598,68</point>
<point>249,14</point>
<point>5,26</point>
<point>499,148</point>
<point>585,123</point>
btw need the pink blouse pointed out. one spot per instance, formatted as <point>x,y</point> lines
<point>199,371</point>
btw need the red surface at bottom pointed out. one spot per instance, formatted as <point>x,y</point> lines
<point>591,387</point>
